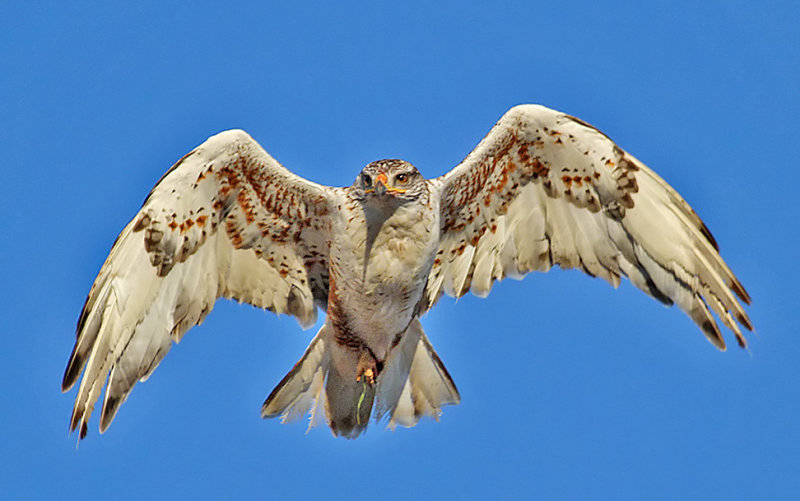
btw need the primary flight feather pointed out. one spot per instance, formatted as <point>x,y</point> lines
<point>227,220</point>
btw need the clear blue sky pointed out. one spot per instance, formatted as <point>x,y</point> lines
<point>570,389</point>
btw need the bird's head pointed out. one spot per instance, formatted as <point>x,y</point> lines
<point>390,181</point>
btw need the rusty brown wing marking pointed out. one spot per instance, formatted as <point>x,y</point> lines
<point>544,188</point>
<point>226,221</point>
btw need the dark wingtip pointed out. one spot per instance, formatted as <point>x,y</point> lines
<point>110,407</point>
<point>744,321</point>
<point>76,361</point>
<point>707,233</point>
<point>72,371</point>
<point>738,288</point>
<point>713,334</point>
<point>74,420</point>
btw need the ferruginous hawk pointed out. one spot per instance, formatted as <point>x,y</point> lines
<point>227,220</point>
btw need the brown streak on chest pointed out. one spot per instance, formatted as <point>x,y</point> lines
<point>344,335</point>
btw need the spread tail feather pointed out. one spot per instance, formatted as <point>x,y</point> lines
<point>412,384</point>
<point>301,388</point>
<point>426,388</point>
<point>315,386</point>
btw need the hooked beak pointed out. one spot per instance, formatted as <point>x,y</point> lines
<point>380,184</point>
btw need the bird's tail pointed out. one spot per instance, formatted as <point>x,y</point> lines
<point>412,383</point>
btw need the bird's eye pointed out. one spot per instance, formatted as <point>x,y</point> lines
<point>366,180</point>
<point>401,178</point>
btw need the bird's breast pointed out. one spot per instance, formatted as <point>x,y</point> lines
<point>380,270</point>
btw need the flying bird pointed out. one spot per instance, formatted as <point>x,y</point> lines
<point>542,189</point>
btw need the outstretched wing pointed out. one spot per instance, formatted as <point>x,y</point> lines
<point>227,220</point>
<point>544,188</point>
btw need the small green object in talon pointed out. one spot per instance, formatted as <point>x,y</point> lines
<point>360,401</point>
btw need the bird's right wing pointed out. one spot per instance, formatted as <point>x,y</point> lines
<point>227,220</point>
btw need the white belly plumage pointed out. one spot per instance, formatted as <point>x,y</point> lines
<point>381,279</point>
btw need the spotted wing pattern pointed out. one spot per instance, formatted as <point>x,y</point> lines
<point>226,221</point>
<point>544,188</point>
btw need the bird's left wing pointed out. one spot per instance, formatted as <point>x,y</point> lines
<point>226,221</point>
<point>544,188</point>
